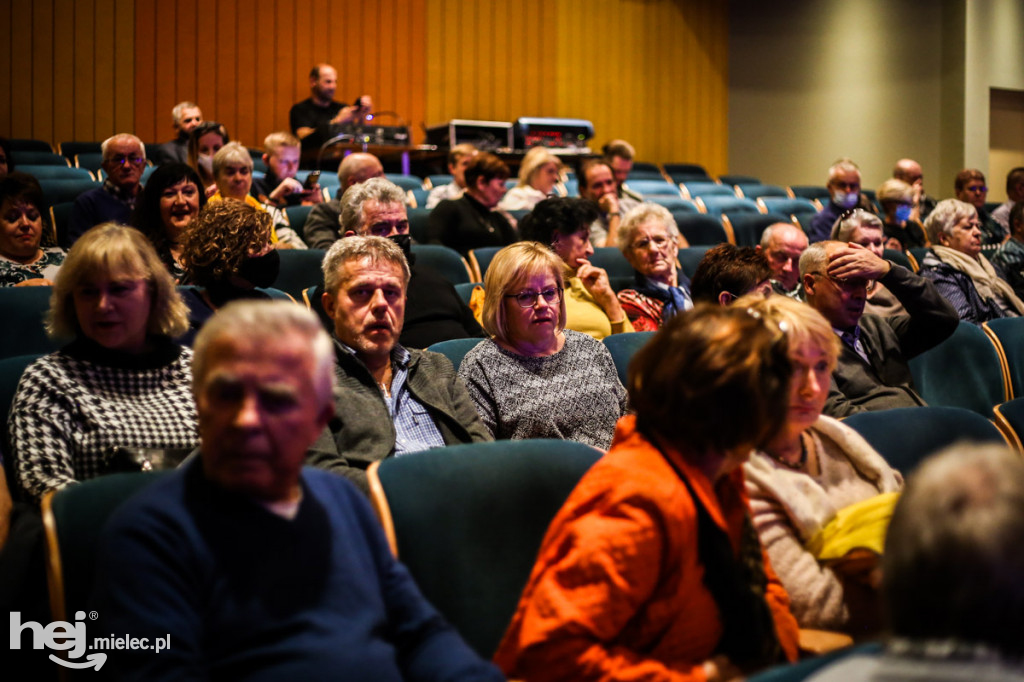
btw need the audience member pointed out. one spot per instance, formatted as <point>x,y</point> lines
<point>251,566</point>
<point>901,230</point>
<point>960,271</point>
<point>814,469</point>
<point>470,222</point>
<point>232,171</point>
<point>459,158</point>
<point>323,222</point>
<point>619,154</point>
<point>278,187</point>
<point>872,371</point>
<point>597,183</point>
<point>24,261</point>
<point>782,244</point>
<point>185,116</point>
<point>124,157</point>
<point>228,256</point>
<point>727,272</point>
<point>538,175</point>
<point>6,161</point>
<point>648,239</point>
<point>1014,195</point>
<point>909,171</point>
<point>970,188</point>
<point>844,194</point>
<point>533,378</point>
<point>591,305</point>
<point>205,140</point>
<point>434,310</point>
<point>862,227</point>
<point>652,568</point>
<point>121,383</point>
<point>171,200</point>
<point>951,588</point>
<point>1010,256</point>
<point>312,118</point>
<point>390,400</point>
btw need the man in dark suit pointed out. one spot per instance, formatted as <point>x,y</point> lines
<point>872,372</point>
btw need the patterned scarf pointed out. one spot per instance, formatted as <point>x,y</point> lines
<point>676,299</point>
<point>990,286</point>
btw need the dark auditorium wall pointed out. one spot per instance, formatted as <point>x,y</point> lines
<point>651,71</point>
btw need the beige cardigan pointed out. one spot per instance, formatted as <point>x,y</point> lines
<point>789,507</point>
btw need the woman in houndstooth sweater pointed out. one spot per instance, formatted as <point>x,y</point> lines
<point>122,381</point>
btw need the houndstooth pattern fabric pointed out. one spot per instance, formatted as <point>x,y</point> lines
<point>574,394</point>
<point>68,413</point>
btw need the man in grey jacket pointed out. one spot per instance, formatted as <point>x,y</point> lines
<point>389,400</point>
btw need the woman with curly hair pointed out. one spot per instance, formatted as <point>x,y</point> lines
<point>227,256</point>
<point>171,199</point>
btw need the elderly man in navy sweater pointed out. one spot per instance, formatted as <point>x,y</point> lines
<point>251,567</point>
<point>124,159</point>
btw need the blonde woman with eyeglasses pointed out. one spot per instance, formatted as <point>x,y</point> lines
<point>534,378</point>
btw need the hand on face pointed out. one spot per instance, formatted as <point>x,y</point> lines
<point>854,261</point>
<point>595,280</point>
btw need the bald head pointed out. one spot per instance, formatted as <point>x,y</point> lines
<point>908,170</point>
<point>357,168</point>
<point>782,244</point>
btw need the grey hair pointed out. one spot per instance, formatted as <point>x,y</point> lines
<point>381,190</point>
<point>944,216</point>
<point>842,229</point>
<point>639,215</point>
<point>953,553</point>
<point>815,257</point>
<point>231,152</point>
<point>769,233</point>
<point>119,137</point>
<point>843,165</point>
<point>179,110</point>
<point>377,249</point>
<point>267,321</point>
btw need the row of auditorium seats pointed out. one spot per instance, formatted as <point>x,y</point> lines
<point>475,571</point>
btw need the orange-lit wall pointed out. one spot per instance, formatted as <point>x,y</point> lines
<point>650,71</point>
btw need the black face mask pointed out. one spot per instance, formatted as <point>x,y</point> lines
<point>404,242</point>
<point>261,271</point>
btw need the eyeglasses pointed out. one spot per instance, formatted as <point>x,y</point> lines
<point>977,189</point>
<point>527,299</point>
<point>843,284</point>
<point>121,159</point>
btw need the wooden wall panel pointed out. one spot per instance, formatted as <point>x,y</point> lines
<point>651,71</point>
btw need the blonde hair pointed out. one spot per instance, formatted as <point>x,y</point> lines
<point>533,161</point>
<point>102,251</point>
<point>232,152</point>
<point>274,141</point>
<point>895,190</point>
<point>510,266</point>
<point>801,323</point>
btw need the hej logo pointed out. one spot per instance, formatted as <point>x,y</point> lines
<point>60,636</point>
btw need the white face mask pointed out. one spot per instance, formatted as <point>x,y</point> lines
<point>845,200</point>
<point>206,163</point>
